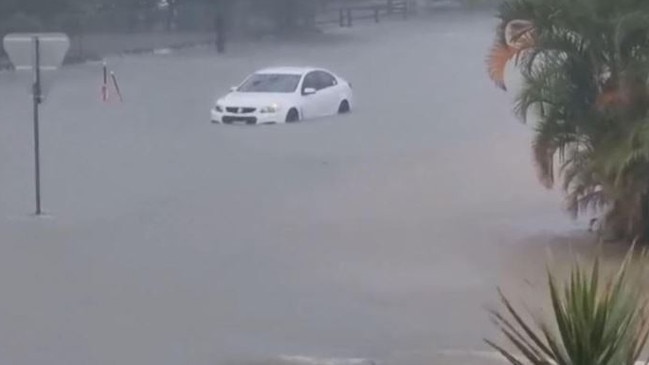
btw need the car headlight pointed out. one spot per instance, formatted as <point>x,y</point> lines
<point>270,109</point>
<point>218,108</point>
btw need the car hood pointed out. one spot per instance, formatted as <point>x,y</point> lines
<point>237,99</point>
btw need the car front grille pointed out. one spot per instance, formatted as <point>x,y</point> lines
<point>239,110</point>
<point>247,120</point>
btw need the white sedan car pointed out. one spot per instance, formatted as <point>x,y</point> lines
<point>287,94</point>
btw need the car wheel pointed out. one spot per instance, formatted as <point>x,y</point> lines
<point>344,107</point>
<point>292,116</point>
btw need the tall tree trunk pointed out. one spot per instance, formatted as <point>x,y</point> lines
<point>171,14</point>
<point>644,223</point>
<point>282,12</point>
<point>223,13</point>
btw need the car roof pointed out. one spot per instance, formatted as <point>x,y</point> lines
<point>292,70</point>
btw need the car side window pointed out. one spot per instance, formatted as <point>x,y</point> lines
<point>311,81</point>
<point>326,80</point>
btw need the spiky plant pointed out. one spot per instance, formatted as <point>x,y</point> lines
<point>593,323</point>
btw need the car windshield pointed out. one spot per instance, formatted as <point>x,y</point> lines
<point>270,83</point>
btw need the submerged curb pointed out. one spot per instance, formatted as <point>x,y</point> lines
<point>489,355</point>
<point>5,65</point>
<point>306,360</point>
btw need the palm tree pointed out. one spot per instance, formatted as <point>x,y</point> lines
<point>585,66</point>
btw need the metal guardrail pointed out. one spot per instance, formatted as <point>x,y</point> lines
<point>344,13</point>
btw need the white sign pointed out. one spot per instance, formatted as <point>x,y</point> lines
<point>21,49</point>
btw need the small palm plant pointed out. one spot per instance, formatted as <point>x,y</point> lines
<point>593,323</point>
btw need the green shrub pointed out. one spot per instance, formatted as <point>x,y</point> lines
<point>593,323</point>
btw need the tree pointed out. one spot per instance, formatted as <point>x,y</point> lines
<point>172,8</point>
<point>287,15</point>
<point>585,66</point>
<point>38,8</point>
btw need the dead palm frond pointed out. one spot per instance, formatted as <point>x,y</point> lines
<point>514,38</point>
<point>497,60</point>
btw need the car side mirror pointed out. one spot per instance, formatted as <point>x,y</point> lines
<point>233,89</point>
<point>309,91</point>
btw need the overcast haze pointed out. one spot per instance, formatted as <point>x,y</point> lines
<point>381,234</point>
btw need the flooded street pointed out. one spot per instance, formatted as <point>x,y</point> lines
<point>381,234</point>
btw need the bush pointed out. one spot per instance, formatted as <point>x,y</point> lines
<point>592,324</point>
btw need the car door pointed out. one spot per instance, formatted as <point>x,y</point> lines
<point>329,90</point>
<point>312,104</point>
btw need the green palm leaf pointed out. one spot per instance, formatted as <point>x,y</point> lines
<point>585,89</point>
<point>593,323</point>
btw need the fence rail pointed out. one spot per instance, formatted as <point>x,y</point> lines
<point>344,13</point>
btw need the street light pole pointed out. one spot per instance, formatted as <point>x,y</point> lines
<point>36,94</point>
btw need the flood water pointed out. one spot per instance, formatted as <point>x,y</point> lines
<point>381,234</point>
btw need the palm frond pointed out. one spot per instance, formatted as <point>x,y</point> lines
<point>585,68</point>
<point>593,323</point>
<point>513,39</point>
<point>497,61</point>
